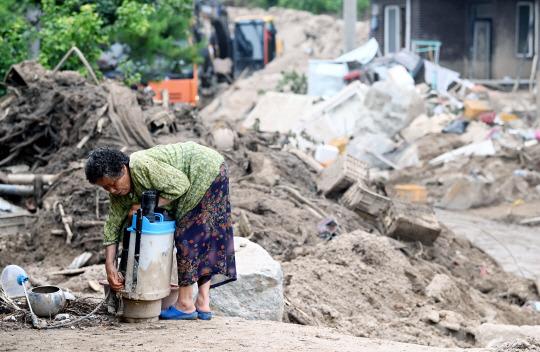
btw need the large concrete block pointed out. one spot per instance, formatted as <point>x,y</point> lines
<point>258,292</point>
<point>395,106</point>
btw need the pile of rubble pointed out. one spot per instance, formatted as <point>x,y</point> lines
<point>50,121</point>
<point>458,144</point>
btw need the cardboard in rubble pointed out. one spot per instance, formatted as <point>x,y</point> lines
<point>473,108</point>
<point>342,173</point>
<point>411,222</point>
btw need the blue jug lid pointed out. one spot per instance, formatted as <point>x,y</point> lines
<point>159,227</point>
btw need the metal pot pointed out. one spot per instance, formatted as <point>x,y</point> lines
<point>46,301</point>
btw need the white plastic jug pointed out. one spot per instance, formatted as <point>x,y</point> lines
<point>148,279</point>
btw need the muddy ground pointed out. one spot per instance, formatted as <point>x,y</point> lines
<point>360,290</point>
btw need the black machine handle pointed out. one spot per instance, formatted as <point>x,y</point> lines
<point>148,205</point>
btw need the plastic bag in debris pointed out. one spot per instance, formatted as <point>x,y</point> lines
<point>458,127</point>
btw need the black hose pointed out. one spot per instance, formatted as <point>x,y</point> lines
<point>102,301</point>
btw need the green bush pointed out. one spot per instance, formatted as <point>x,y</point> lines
<point>315,6</point>
<point>159,40</point>
<point>66,25</point>
<point>15,36</point>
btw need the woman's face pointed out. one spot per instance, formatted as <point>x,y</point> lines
<point>119,186</point>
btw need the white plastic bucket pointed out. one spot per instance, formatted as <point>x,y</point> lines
<point>155,261</point>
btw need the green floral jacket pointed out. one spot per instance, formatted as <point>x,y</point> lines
<point>182,171</point>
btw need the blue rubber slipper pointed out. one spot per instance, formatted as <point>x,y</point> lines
<point>172,313</point>
<point>203,315</point>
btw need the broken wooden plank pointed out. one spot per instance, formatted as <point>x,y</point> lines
<point>307,202</point>
<point>6,113</point>
<point>6,100</point>
<point>10,157</point>
<point>27,142</point>
<point>383,159</point>
<point>94,285</point>
<point>11,136</point>
<point>76,50</point>
<point>66,220</point>
<point>70,271</point>
<point>83,141</point>
<point>308,160</point>
<point>89,223</point>
<point>80,261</point>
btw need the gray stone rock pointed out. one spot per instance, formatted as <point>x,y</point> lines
<point>451,320</point>
<point>258,292</point>
<point>442,289</point>
<point>429,315</point>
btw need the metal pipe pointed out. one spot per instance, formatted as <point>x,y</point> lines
<point>18,190</point>
<point>28,179</point>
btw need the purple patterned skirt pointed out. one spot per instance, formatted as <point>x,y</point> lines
<point>204,238</point>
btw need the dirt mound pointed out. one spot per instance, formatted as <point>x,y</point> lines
<point>361,284</point>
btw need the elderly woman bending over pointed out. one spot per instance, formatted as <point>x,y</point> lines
<point>193,184</point>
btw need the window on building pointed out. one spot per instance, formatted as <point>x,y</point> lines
<point>392,29</point>
<point>524,29</point>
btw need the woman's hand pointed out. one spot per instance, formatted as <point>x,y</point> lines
<point>115,278</point>
<point>133,210</point>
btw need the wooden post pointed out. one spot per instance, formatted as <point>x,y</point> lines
<point>66,220</point>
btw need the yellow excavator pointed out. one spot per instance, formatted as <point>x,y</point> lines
<point>252,46</point>
<point>255,43</point>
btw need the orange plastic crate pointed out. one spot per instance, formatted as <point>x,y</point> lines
<point>411,193</point>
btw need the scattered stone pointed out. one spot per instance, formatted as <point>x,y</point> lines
<point>258,292</point>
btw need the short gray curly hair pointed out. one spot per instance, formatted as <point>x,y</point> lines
<point>105,162</point>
